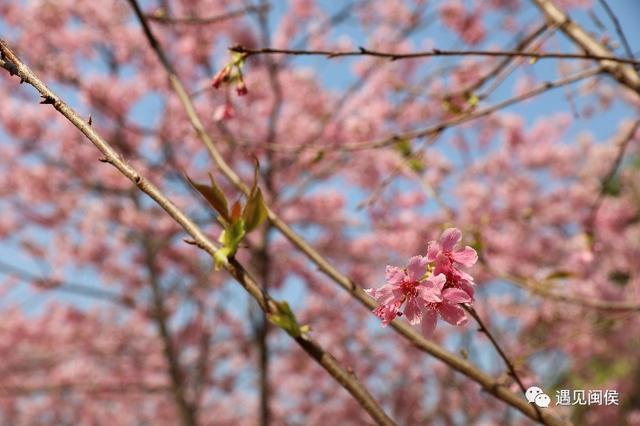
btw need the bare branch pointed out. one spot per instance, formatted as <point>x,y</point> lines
<point>616,24</point>
<point>394,56</point>
<point>625,74</point>
<point>512,370</point>
<point>162,18</point>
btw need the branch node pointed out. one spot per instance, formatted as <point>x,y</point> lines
<point>47,100</point>
<point>238,48</point>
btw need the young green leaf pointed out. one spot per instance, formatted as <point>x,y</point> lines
<point>230,238</point>
<point>286,320</point>
<point>214,196</point>
<point>255,211</point>
<point>236,212</point>
<point>232,235</point>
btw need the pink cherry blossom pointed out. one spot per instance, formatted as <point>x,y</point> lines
<point>448,259</point>
<point>447,307</point>
<point>403,287</point>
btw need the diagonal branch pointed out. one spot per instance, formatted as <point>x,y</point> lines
<point>619,70</point>
<point>616,24</point>
<point>512,370</point>
<point>235,269</point>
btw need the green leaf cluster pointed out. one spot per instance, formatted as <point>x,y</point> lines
<point>238,221</point>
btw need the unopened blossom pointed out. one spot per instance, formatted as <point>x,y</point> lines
<point>241,87</point>
<point>222,76</point>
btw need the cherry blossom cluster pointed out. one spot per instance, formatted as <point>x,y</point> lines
<point>429,286</point>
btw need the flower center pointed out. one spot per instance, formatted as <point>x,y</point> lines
<point>409,289</point>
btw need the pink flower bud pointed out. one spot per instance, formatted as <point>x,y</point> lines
<point>221,76</point>
<point>241,88</point>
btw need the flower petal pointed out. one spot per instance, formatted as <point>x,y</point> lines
<point>467,288</point>
<point>386,313</point>
<point>463,276</point>
<point>429,321</point>
<point>385,294</point>
<point>456,295</point>
<point>416,268</point>
<point>430,293</point>
<point>433,248</point>
<point>443,264</point>
<point>413,311</point>
<point>450,238</point>
<point>437,281</point>
<point>467,257</point>
<point>394,275</point>
<point>453,314</point>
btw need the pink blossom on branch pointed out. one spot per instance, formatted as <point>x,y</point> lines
<point>447,259</point>
<point>430,286</point>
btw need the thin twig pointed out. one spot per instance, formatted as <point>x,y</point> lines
<point>512,370</point>
<point>624,74</point>
<point>503,64</point>
<point>447,124</point>
<point>162,18</point>
<point>616,24</point>
<point>440,127</point>
<point>394,56</point>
